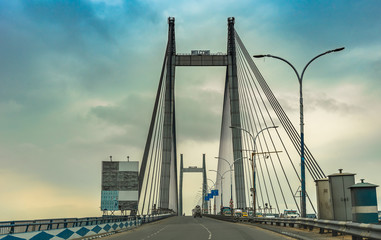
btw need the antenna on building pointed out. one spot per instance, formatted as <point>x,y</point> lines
<point>110,158</point>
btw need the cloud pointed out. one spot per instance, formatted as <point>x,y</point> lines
<point>317,102</point>
<point>78,82</point>
<point>125,112</point>
<point>196,114</point>
<point>330,104</point>
<point>44,199</point>
<point>74,19</point>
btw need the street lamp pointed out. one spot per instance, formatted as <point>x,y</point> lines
<point>300,79</point>
<point>231,170</point>
<point>214,200</point>
<point>253,156</point>
<point>212,182</point>
<point>221,177</point>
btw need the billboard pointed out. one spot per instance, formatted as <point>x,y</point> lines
<point>119,185</point>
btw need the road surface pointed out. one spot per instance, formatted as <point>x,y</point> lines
<point>184,228</point>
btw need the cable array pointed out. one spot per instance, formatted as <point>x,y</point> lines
<point>152,158</point>
<point>276,175</point>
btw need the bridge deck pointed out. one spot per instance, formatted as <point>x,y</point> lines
<point>185,228</point>
<point>202,60</point>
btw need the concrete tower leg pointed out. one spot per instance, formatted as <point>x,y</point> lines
<point>204,183</point>
<point>169,129</point>
<point>181,186</point>
<point>235,116</point>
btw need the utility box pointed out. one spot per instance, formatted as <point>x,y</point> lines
<point>339,184</point>
<point>324,199</point>
<point>364,202</point>
<point>119,186</point>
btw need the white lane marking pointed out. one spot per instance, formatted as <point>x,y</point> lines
<point>153,234</point>
<point>210,233</point>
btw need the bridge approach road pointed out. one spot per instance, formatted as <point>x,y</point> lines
<point>189,228</point>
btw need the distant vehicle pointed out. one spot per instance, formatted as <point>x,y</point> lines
<point>226,211</point>
<point>196,212</point>
<point>289,213</point>
<point>244,214</point>
<point>237,212</point>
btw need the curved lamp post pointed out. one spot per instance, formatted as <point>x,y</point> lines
<point>253,165</point>
<point>212,182</point>
<point>214,200</point>
<point>221,177</point>
<point>231,170</point>
<point>300,79</point>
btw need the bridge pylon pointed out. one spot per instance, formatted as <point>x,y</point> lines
<point>165,106</point>
<point>204,182</point>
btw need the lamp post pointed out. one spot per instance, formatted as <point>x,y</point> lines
<point>302,160</point>
<point>214,200</point>
<point>253,157</point>
<point>231,178</point>
<point>221,177</point>
<point>212,182</point>
<point>198,197</point>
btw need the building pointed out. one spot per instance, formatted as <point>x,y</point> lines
<point>120,186</point>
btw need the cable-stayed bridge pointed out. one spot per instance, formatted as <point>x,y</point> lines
<point>259,148</point>
<point>250,109</point>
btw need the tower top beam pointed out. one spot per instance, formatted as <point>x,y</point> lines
<point>171,20</point>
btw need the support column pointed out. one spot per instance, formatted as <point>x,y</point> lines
<point>235,116</point>
<point>204,184</point>
<point>181,186</point>
<point>169,130</point>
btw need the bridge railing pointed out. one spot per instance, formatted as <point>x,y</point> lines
<point>11,227</point>
<point>357,230</point>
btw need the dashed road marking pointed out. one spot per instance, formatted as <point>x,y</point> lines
<point>153,234</point>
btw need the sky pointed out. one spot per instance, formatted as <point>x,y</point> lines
<point>78,80</point>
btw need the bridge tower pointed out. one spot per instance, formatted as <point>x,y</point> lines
<point>168,175</point>
<point>243,84</point>
<point>204,182</point>
<point>232,82</point>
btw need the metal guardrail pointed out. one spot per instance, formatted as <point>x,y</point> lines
<point>357,230</point>
<point>221,217</point>
<point>11,227</point>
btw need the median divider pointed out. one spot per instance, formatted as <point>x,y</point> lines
<point>222,217</point>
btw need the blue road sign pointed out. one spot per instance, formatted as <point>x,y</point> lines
<point>215,192</point>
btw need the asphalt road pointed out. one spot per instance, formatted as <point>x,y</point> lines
<point>183,228</point>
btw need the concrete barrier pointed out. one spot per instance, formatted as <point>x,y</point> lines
<point>79,231</point>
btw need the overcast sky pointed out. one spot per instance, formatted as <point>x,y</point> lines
<point>78,80</point>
